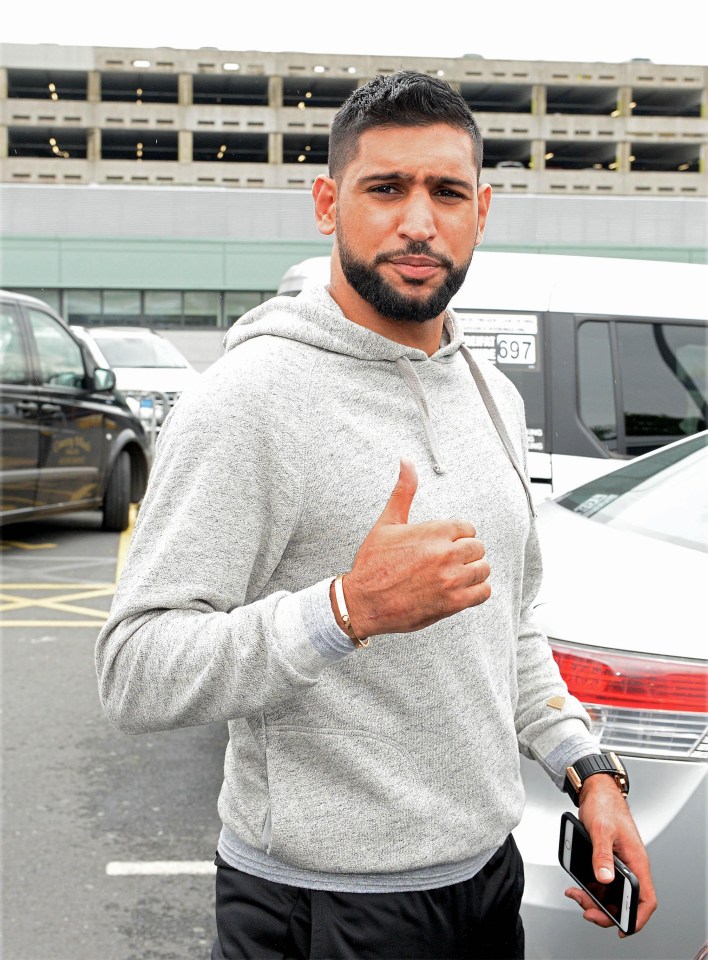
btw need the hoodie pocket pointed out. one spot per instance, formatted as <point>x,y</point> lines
<point>346,801</point>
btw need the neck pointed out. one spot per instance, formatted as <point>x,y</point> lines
<point>425,336</point>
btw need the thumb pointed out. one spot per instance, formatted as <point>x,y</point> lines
<point>399,503</point>
<point>603,863</point>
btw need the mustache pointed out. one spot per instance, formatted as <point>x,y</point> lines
<point>416,248</point>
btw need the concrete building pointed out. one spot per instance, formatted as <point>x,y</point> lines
<point>188,171</point>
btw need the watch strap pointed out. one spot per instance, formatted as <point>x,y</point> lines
<point>608,763</point>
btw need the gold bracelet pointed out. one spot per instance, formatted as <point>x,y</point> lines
<point>344,613</point>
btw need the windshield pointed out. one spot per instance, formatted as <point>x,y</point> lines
<point>664,496</point>
<point>140,352</point>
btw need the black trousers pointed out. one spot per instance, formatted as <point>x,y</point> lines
<point>477,919</point>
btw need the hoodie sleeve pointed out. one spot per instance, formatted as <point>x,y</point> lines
<point>193,635</point>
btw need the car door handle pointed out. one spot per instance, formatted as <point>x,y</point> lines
<point>27,406</point>
<point>51,408</point>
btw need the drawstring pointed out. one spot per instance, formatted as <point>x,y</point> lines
<point>406,370</point>
<point>496,418</point>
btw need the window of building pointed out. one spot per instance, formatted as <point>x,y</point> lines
<point>667,157</point>
<point>507,153</point>
<point>230,90</point>
<point>236,303</point>
<point>306,92</point>
<point>230,147</point>
<point>129,87</point>
<point>498,97</point>
<point>163,307</point>
<point>201,308</point>
<point>48,84</point>
<point>580,155</point>
<point>305,148</point>
<point>121,303</point>
<point>63,143</point>
<point>581,100</point>
<point>138,145</point>
<point>82,307</point>
<point>658,102</point>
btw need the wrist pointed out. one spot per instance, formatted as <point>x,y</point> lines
<point>597,784</point>
<point>341,612</point>
<point>607,766</point>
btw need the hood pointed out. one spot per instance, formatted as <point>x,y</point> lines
<point>313,317</point>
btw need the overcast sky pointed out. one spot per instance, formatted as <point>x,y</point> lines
<point>659,30</point>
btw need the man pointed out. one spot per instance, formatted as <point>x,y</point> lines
<point>372,777</point>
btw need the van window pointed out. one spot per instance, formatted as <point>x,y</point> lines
<point>664,382</point>
<point>596,395</point>
<point>60,360</point>
<point>13,362</point>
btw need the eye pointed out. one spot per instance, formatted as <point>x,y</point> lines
<point>387,189</point>
<point>448,194</point>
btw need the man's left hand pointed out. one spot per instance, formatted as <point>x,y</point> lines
<point>606,817</point>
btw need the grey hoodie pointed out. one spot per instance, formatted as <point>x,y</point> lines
<point>269,475</point>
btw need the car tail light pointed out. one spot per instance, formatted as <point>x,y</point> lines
<point>654,706</point>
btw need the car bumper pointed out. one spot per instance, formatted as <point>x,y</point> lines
<point>668,802</point>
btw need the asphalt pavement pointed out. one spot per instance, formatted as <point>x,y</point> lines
<point>107,839</point>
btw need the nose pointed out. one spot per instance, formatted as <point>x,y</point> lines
<point>417,220</point>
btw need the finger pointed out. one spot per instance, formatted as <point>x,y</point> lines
<point>476,594</point>
<point>399,503</point>
<point>603,861</point>
<point>590,910</point>
<point>475,573</point>
<point>644,911</point>
<point>461,530</point>
<point>468,549</point>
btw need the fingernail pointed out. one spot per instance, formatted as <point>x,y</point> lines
<point>604,873</point>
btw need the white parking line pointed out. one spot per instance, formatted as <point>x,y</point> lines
<point>159,868</point>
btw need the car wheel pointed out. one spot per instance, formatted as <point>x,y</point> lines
<point>116,501</point>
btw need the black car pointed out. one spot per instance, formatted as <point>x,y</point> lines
<point>68,440</point>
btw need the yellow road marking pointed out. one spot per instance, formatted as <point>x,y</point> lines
<point>19,545</point>
<point>56,586</point>
<point>61,604</point>
<point>11,602</point>
<point>54,623</point>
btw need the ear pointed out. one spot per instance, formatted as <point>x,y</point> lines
<point>324,192</point>
<point>484,199</point>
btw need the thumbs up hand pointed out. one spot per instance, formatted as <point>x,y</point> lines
<point>408,575</point>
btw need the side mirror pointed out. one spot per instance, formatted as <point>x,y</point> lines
<point>103,380</point>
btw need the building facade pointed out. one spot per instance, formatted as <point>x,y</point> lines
<point>196,133</point>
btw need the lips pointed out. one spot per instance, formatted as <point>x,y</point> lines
<point>415,268</point>
<point>411,261</point>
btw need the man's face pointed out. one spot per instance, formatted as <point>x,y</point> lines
<point>407,215</point>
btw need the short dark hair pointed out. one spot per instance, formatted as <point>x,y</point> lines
<point>403,99</point>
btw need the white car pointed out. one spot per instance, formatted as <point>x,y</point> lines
<point>150,371</point>
<point>623,606</point>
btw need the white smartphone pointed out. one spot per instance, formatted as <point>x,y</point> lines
<point>618,899</point>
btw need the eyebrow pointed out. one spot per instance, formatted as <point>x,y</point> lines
<point>397,175</point>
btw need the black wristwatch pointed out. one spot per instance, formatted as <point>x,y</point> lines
<point>588,766</point>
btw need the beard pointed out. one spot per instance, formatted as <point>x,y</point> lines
<point>386,299</point>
